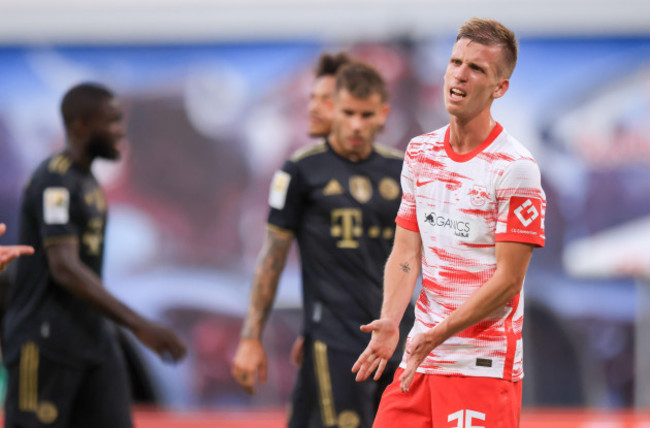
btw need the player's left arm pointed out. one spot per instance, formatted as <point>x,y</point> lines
<point>507,281</point>
<point>400,275</point>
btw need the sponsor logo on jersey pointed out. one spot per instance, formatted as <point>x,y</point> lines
<point>347,225</point>
<point>483,362</point>
<point>422,183</point>
<point>529,216</point>
<point>478,195</point>
<point>460,228</point>
<point>525,216</point>
<point>333,187</point>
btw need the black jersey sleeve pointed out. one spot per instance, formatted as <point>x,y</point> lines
<point>55,199</point>
<point>286,197</point>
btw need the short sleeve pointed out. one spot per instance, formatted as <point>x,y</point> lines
<point>521,204</point>
<point>55,199</point>
<point>286,198</point>
<point>407,213</point>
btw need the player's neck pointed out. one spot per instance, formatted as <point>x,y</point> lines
<point>78,156</point>
<point>353,156</point>
<point>467,135</point>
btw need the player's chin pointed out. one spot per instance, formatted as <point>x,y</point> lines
<point>111,154</point>
<point>356,143</point>
<point>452,109</point>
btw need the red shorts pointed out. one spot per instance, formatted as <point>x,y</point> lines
<point>436,401</point>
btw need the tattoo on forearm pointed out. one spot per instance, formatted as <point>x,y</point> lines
<point>265,284</point>
<point>405,267</point>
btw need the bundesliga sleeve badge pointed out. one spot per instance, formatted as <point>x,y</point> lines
<point>279,188</point>
<point>56,205</point>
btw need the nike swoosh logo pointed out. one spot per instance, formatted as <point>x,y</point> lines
<point>422,183</point>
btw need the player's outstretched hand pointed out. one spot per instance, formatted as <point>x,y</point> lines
<point>161,340</point>
<point>10,252</point>
<point>416,351</point>
<point>385,336</point>
<point>249,363</point>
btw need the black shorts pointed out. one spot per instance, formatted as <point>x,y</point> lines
<point>326,394</point>
<point>45,393</point>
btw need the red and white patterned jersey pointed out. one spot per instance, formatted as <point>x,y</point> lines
<point>462,205</point>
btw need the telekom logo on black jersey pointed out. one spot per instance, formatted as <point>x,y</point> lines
<point>459,227</point>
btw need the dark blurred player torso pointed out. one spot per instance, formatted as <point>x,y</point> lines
<point>63,327</point>
<point>343,216</point>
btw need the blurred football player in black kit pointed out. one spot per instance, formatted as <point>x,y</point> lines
<point>65,367</point>
<point>339,199</point>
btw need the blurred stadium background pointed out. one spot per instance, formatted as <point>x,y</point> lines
<point>215,94</point>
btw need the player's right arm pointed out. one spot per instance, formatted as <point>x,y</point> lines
<point>400,275</point>
<point>70,272</point>
<point>249,362</point>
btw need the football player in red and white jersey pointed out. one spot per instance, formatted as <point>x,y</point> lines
<point>472,211</point>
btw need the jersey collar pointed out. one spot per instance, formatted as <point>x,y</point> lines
<point>331,149</point>
<point>468,156</point>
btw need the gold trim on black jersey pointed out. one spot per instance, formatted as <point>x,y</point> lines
<point>28,378</point>
<point>308,151</point>
<point>389,152</point>
<point>324,380</point>
<point>59,164</point>
<point>54,240</point>
<point>277,229</point>
<point>46,412</point>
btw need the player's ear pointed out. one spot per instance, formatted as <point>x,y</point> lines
<point>501,88</point>
<point>383,113</point>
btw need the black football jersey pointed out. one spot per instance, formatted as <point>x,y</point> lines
<point>342,214</point>
<point>60,202</point>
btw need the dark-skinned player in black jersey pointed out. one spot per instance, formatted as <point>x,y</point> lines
<point>65,367</point>
<point>338,199</point>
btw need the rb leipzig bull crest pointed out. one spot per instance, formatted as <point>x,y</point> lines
<point>478,195</point>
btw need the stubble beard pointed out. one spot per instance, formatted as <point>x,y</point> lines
<point>99,147</point>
